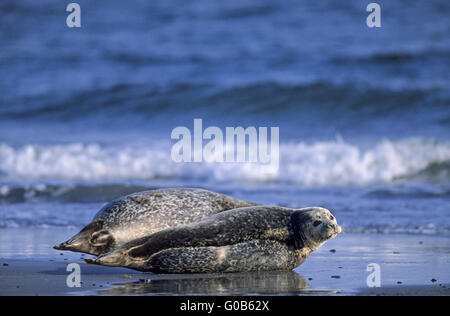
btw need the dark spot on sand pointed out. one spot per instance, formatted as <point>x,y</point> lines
<point>339,267</point>
<point>398,282</point>
<point>93,284</point>
<point>61,254</point>
<point>433,280</point>
<point>5,264</point>
<point>420,242</point>
<point>333,250</point>
<point>396,253</point>
<point>310,279</point>
<point>335,276</point>
<point>18,287</point>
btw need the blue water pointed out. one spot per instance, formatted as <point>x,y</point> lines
<point>364,114</point>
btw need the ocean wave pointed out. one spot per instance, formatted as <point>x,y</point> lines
<point>408,192</point>
<point>260,100</point>
<point>321,163</point>
<point>397,56</point>
<point>42,193</point>
<point>429,229</point>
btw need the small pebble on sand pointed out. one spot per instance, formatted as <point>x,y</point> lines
<point>336,276</point>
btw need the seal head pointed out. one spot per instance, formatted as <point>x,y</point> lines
<point>313,227</point>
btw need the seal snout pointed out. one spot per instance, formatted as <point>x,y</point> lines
<point>333,229</point>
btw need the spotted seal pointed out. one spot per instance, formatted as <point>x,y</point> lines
<point>141,214</point>
<point>258,238</point>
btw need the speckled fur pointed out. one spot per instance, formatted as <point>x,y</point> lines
<point>255,255</point>
<point>258,238</point>
<point>144,213</point>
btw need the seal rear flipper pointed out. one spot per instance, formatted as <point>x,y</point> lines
<point>92,240</point>
<point>115,258</point>
<point>78,243</point>
<point>91,260</point>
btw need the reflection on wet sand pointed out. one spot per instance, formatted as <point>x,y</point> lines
<point>267,283</point>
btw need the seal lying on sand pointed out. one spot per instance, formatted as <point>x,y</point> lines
<point>247,239</point>
<point>144,213</point>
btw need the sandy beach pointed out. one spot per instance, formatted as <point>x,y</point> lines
<point>408,265</point>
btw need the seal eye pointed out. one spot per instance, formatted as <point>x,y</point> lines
<point>332,218</point>
<point>317,223</point>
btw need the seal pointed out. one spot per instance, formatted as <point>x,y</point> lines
<point>259,238</point>
<point>141,214</point>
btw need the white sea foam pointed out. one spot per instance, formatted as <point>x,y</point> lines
<point>308,164</point>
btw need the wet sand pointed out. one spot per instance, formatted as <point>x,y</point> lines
<point>410,265</point>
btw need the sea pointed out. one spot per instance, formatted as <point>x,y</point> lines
<point>86,114</point>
